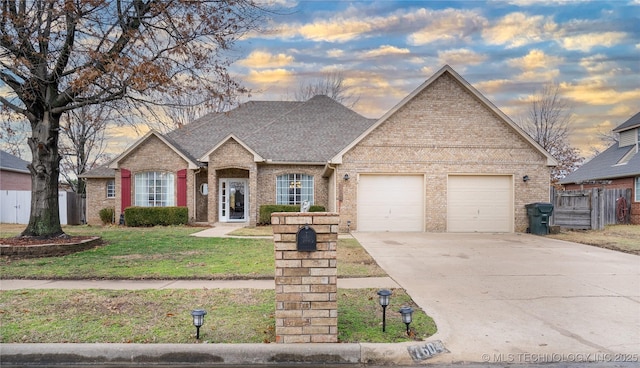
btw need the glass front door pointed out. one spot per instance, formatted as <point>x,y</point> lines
<point>233,200</point>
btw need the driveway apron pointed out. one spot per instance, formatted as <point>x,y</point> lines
<point>517,298</point>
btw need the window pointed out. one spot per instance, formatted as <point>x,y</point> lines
<point>638,189</point>
<point>294,189</point>
<point>154,189</point>
<point>111,188</point>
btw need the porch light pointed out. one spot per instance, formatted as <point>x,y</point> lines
<point>384,295</point>
<point>198,320</point>
<point>407,316</point>
<point>346,177</point>
<point>525,178</point>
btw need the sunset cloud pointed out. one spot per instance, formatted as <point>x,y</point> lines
<point>385,50</point>
<point>446,25</point>
<point>519,29</point>
<point>585,42</point>
<point>264,59</point>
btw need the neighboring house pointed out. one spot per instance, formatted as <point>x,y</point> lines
<point>617,167</point>
<point>443,159</point>
<point>14,174</point>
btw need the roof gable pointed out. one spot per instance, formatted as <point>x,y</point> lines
<point>256,157</point>
<point>632,122</point>
<point>609,164</point>
<point>190,161</point>
<point>337,159</point>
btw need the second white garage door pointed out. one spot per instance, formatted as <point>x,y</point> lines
<point>480,203</point>
<point>391,203</point>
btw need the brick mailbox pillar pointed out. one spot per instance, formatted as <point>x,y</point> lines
<point>306,276</point>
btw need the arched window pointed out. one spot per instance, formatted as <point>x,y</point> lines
<point>294,189</point>
<point>155,189</point>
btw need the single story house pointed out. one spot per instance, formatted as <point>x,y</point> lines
<point>14,174</point>
<point>443,159</point>
<point>617,167</point>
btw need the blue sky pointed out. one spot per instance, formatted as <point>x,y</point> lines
<point>506,49</point>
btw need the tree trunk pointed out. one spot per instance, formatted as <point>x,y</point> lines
<point>44,221</point>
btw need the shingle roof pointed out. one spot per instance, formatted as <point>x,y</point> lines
<point>605,166</point>
<point>13,163</point>
<point>281,131</point>
<point>633,122</point>
<point>99,172</point>
<point>608,164</point>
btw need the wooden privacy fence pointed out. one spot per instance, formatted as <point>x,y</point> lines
<point>591,208</point>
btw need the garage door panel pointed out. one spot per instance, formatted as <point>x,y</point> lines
<point>479,203</point>
<point>390,203</point>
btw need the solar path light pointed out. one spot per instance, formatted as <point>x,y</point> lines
<point>198,320</point>
<point>407,316</point>
<point>384,295</point>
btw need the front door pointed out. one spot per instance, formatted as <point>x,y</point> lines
<point>234,200</point>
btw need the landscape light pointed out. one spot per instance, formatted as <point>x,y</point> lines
<point>384,295</point>
<point>198,320</point>
<point>407,315</point>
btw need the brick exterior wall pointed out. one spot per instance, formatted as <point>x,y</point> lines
<point>97,200</point>
<point>151,155</point>
<point>622,183</point>
<point>306,282</point>
<point>445,130</point>
<point>11,180</point>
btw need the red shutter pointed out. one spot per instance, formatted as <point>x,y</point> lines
<point>125,188</point>
<point>182,188</point>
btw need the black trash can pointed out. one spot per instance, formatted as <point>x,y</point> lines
<point>539,214</point>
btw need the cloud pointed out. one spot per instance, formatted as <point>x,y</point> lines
<point>519,29</point>
<point>264,59</point>
<point>385,50</point>
<point>335,53</point>
<point>461,57</point>
<point>491,86</point>
<point>270,76</point>
<point>335,30</point>
<point>596,92</point>
<point>599,65</point>
<point>446,25</point>
<point>535,59</point>
<point>585,42</point>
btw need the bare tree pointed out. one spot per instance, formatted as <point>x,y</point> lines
<point>13,137</point>
<point>330,84</point>
<point>59,55</point>
<point>83,142</point>
<point>187,108</point>
<point>548,122</point>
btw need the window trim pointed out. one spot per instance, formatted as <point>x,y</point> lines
<point>636,196</point>
<point>301,192</point>
<point>165,181</point>
<point>110,188</point>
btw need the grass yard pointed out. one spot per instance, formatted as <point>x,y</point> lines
<point>163,316</point>
<point>625,238</point>
<point>170,253</point>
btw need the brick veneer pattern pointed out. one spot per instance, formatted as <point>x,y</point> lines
<point>306,282</point>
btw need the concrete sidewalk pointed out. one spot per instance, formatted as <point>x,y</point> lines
<point>348,283</point>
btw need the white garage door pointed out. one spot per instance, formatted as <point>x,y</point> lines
<point>390,203</point>
<point>480,203</point>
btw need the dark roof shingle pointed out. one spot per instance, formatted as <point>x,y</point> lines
<point>13,163</point>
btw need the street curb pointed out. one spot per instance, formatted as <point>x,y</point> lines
<point>202,354</point>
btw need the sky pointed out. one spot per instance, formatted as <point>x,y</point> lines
<point>506,49</point>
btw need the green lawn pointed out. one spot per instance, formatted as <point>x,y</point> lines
<point>171,253</point>
<point>163,316</point>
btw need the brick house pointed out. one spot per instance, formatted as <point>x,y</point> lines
<point>618,167</point>
<point>443,159</point>
<point>14,174</point>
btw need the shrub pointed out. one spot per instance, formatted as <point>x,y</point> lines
<point>107,215</point>
<point>156,216</point>
<point>267,209</point>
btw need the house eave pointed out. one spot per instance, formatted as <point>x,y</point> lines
<point>256,156</point>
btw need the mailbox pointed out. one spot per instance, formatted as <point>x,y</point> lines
<point>306,239</point>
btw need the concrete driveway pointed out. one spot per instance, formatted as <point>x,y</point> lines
<point>517,298</point>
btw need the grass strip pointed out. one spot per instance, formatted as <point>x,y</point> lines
<point>163,316</point>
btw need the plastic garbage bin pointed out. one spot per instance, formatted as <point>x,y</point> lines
<point>539,214</point>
